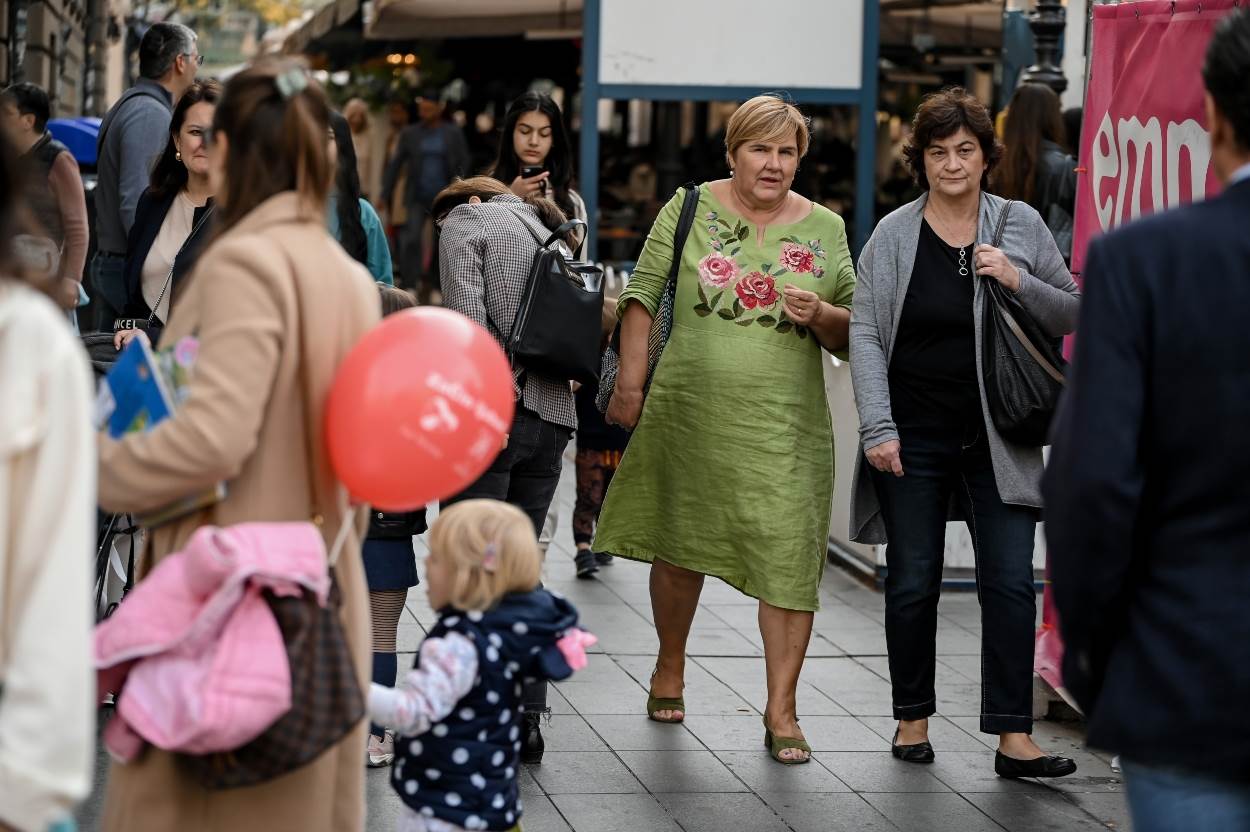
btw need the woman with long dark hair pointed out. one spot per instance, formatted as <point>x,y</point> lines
<point>172,219</point>
<point>349,216</point>
<point>534,137</point>
<point>1035,167</point>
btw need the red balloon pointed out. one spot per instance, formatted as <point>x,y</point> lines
<point>419,409</point>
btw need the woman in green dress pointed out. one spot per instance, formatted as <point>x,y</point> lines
<point>729,471</point>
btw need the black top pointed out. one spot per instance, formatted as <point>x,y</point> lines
<point>933,369</point>
<point>149,217</point>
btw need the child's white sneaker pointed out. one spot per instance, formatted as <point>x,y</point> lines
<point>381,750</point>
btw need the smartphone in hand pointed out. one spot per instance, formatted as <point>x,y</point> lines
<point>530,171</point>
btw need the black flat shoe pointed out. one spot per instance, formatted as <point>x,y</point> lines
<point>585,563</point>
<point>1051,766</point>
<point>532,745</point>
<point>920,752</point>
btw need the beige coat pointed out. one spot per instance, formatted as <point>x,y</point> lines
<point>273,301</point>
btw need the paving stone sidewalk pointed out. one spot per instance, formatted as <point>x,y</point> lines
<point>608,768</point>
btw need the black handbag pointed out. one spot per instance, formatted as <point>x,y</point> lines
<point>558,325</point>
<point>396,525</point>
<point>662,325</point>
<point>1023,367</point>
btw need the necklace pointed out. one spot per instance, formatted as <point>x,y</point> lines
<point>963,250</point>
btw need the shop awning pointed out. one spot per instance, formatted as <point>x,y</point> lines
<point>401,19</point>
<point>327,18</point>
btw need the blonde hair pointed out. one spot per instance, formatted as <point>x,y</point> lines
<point>766,118</point>
<point>354,107</point>
<point>460,536</point>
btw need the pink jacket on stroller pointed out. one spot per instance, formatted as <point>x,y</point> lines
<point>203,663</point>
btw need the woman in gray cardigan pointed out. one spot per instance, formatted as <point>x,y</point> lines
<point>930,447</point>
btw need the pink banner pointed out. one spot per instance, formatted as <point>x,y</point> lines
<point>1144,148</point>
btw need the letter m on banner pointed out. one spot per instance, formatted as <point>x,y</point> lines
<point>1144,146</point>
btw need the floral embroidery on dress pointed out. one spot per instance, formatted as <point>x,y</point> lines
<point>717,270</point>
<point>755,292</point>
<point>757,289</point>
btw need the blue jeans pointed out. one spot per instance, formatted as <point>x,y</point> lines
<point>941,465</point>
<point>1164,800</point>
<point>108,277</point>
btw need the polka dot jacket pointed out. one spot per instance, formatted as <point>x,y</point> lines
<point>463,769</point>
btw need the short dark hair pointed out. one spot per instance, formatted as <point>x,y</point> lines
<point>30,100</point>
<point>940,116</point>
<point>161,45</point>
<point>1225,70</point>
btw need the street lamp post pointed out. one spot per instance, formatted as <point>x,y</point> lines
<point>1047,21</point>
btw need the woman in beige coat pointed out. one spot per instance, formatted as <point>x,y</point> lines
<point>276,304</point>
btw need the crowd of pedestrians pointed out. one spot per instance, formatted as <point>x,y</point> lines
<point>235,226</point>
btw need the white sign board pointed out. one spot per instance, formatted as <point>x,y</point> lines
<point>776,44</point>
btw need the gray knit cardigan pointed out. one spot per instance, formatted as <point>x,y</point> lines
<point>1047,291</point>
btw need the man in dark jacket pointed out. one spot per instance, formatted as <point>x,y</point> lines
<point>132,135</point>
<point>1148,491</point>
<point>434,152</point>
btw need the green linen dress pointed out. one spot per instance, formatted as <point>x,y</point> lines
<point>730,469</point>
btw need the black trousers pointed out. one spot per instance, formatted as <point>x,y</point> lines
<point>525,474</point>
<point>939,464</point>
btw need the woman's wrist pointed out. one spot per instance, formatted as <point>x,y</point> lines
<point>626,389</point>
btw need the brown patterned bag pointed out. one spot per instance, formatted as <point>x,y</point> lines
<point>326,700</point>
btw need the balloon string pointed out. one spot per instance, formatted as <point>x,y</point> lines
<point>345,524</point>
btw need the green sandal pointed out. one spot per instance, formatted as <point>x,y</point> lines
<point>662,703</point>
<point>776,745</point>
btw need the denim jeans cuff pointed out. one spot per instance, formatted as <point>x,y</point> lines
<point>912,712</point>
<point>1006,724</point>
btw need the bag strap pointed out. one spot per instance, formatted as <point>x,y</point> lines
<point>137,91</point>
<point>1012,324</point>
<point>561,231</point>
<point>564,230</point>
<point>169,278</point>
<point>314,468</point>
<point>1001,227</point>
<point>689,206</point>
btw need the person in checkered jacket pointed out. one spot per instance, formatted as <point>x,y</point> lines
<point>486,250</point>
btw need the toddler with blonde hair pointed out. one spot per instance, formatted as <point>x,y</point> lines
<point>459,710</point>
